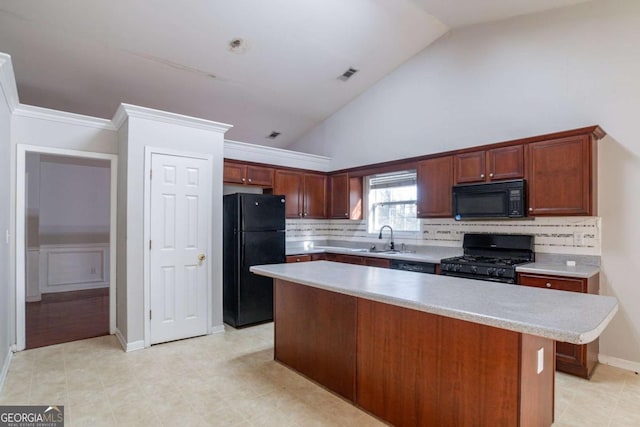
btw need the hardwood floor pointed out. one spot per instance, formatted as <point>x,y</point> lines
<point>67,316</point>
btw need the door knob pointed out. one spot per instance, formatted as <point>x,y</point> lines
<point>201,258</point>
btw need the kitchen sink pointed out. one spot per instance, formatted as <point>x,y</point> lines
<point>380,251</point>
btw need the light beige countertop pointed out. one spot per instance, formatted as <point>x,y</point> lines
<point>557,269</point>
<point>563,316</point>
<point>435,255</point>
<point>432,255</point>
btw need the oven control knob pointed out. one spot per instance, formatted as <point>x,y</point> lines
<point>458,267</point>
<point>474,269</point>
<point>500,272</point>
<point>490,271</point>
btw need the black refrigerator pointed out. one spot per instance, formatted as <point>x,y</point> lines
<point>254,234</point>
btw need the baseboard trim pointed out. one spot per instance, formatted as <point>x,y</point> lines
<point>217,329</point>
<point>619,363</point>
<point>128,346</point>
<point>5,368</point>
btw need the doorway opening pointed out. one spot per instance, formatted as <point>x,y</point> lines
<point>65,246</point>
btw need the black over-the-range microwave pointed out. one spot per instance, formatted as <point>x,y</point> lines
<point>505,199</point>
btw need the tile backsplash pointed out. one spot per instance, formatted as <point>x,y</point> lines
<point>563,235</point>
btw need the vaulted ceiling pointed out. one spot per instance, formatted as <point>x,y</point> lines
<point>260,65</point>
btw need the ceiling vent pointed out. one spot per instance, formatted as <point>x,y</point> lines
<point>347,74</point>
<point>273,135</point>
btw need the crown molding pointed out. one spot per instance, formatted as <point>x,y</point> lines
<point>274,156</point>
<point>126,110</point>
<point>41,113</point>
<point>8,82</point>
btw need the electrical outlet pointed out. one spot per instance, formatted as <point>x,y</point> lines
<point>540,360</point>
<point>578,239</point>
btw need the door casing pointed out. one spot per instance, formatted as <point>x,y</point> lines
<point>20,292</point>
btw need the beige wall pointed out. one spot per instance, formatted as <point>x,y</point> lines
<point>7,320</point>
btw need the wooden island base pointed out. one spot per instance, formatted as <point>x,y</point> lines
<point>412,368</point>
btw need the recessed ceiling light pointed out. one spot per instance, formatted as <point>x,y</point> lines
<point>347,74</point>
<point>273,135</point>
<point>238,45</point>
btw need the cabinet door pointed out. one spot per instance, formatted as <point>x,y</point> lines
<point>506,163</point>
<point>571,354</point>
<point>339,196</point>
<point>560,174</point>
<point>470,167</point>
<point>315,196</point>
<point>435,177</point>
<point>290,184</point>
<point>234,173</point>
<point>259,175</point>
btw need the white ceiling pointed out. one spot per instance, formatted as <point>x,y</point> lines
<point>89,56</point>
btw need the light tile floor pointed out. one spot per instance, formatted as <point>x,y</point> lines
<point>231,379</point>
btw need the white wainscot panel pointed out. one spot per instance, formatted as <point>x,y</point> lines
<point>73,267</point>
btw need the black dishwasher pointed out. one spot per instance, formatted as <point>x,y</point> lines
<point>415,266</point>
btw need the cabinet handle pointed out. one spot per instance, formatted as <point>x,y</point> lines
<point>530,209</point>
<point>249,179</point>
<point>418,212</point>
<point>299,213</point>
<point>490,176</point>
<point>243,180</point>
<point>346,214</point>
<point>297,259</point>
<point>481,175</point>
<point>548,285</point>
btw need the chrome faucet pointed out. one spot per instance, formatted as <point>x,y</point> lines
<point>391,245</point>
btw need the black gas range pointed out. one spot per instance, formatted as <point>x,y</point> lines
<point>491,257</point>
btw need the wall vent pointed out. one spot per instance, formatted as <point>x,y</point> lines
<point>347,74</point>
<point>273,135</point>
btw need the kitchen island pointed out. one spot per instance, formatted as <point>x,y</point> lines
<point>420,349</point>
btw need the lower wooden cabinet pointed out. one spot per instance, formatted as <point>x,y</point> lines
<point>377,262</point>
<point>579,360</point>
<point>344,258</point>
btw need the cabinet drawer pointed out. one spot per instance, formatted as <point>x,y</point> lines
<point>298,258</point>
<point>550,282</point>
<point>377,262</point>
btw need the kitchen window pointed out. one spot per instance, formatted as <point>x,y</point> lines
<point>391,199</point>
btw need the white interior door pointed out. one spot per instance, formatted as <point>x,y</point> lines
<point>180,228</point>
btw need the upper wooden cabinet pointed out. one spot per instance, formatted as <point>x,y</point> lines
<point>345,195</point>
<point>238,173</point>
<point>561,176</point>
<point>315,196</point>
<point>291,184</point>
<point>490,165</point>
<point>305,193</point>
<point>435,177</point>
